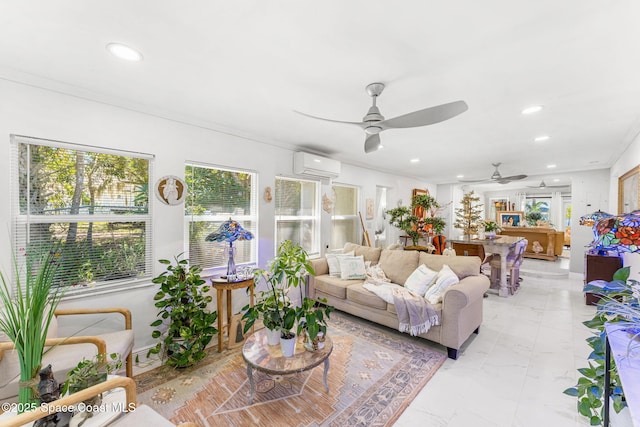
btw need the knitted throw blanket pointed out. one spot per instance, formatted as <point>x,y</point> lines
<point>415,314</point>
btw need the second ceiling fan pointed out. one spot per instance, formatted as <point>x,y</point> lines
<point>497,177</point>
<point>373,122</point>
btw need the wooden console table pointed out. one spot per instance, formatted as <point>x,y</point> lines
<point>545,236</point>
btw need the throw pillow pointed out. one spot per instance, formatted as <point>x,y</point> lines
<point>352,267</point>
<point>445,279</point>
<point>421,278</point>
<point>334,264</point>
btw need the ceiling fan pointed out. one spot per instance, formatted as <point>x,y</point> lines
<point>544,185</point>
<point>374,122</point>
<point>497,177</point>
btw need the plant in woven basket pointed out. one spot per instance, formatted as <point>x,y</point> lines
<point>182,300</point>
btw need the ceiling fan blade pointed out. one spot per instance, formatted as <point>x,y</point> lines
<point>372,143</point>
<point>425,117</point>
<point>359,124</point>
<point>513,177</point>
<point>470,181</point>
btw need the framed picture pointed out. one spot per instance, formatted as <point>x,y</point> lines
<point>369,208</point>
<point>629,191</point>
<point>510,218</point>
<point>418,211</point>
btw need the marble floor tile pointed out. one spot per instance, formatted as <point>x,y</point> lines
<point>514,372</point>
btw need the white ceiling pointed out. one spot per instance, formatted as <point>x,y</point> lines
<point>243,67</point>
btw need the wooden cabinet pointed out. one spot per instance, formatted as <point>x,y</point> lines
<point>599,267</point>
<point>550,239</point>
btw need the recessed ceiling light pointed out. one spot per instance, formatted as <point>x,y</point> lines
<point>556,179</point>
<point>541,138</point>
<point>551,166</point>
<point>414,160</point>
<point>380,147</point>
<point>532,109</point>
<point>459,176</point>
<point>124,52</point>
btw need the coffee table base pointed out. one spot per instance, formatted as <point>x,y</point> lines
<point>253,384</point>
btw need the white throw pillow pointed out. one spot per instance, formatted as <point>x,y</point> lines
<point>446,278</point>
<point>352,267</point>
<point>421,278</point>
<point>334,264</point>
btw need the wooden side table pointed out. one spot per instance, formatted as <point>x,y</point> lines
<point>220,286</point>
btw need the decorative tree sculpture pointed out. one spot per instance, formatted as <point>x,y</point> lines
<point>469,216</point>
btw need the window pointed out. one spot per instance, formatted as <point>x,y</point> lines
<point>298,213</point>
<point>91,203</point>
<point>345,223</point>
<point>537,209</point>
<point>213,196</point>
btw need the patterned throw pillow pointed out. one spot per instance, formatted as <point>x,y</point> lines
<point>352,267</point>
<point>334,264</point>
<point>375,272</point>
<point>446,278</point>
<point>421,278</point>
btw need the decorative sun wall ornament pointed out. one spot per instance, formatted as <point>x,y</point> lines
<point>171,190</point>
<point>267,195</point>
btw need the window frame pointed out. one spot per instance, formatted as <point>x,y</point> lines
<point>316,217</point>
<point>242,219</point>
<point>21,220</point>
<point>355,217</point>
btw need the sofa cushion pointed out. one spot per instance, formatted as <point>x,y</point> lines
<point>421,278</point>
<point>463,266</point>
<point>359,295</point>
<point>398,265</point>
<point>333,286</point>
<point>446,278</point>
<point>369,254</point>
<point>352,267</point>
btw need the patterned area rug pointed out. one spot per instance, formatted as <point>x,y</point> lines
<point>374,374</point>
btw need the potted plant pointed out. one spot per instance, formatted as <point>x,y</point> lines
<point>287,270</point>
<point>312,322</point>
<point>619,304</point>
<point>90,372</point>
<point>268,307</point>
<point>490,228</point>
<point>25,317</point>
<point>402,218</point>
<point>182,300</point>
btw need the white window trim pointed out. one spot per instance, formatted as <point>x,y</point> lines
<point>317,217</point>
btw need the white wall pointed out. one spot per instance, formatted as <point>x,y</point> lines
<point>629,159</point>
<point>30,111</point>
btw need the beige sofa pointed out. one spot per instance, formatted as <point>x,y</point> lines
<point>460,310</point>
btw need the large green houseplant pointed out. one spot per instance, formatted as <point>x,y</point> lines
<point>619,304</point>
<point>26,311</point>
<point>182,300</point>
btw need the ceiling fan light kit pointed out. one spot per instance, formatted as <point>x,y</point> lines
<point>374,122</point>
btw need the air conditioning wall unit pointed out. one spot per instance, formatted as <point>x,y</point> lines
<point>312,164</point>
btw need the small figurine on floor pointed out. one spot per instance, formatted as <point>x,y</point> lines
<point>537,247</point>
<point>49,390</point>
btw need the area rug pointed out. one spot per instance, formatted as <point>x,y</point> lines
<point>374,374</point>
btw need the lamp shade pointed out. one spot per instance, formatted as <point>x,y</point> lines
<point>229,231</point>
<point>619,233</point>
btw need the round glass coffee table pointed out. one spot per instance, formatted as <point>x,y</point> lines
<point>266,358</point>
